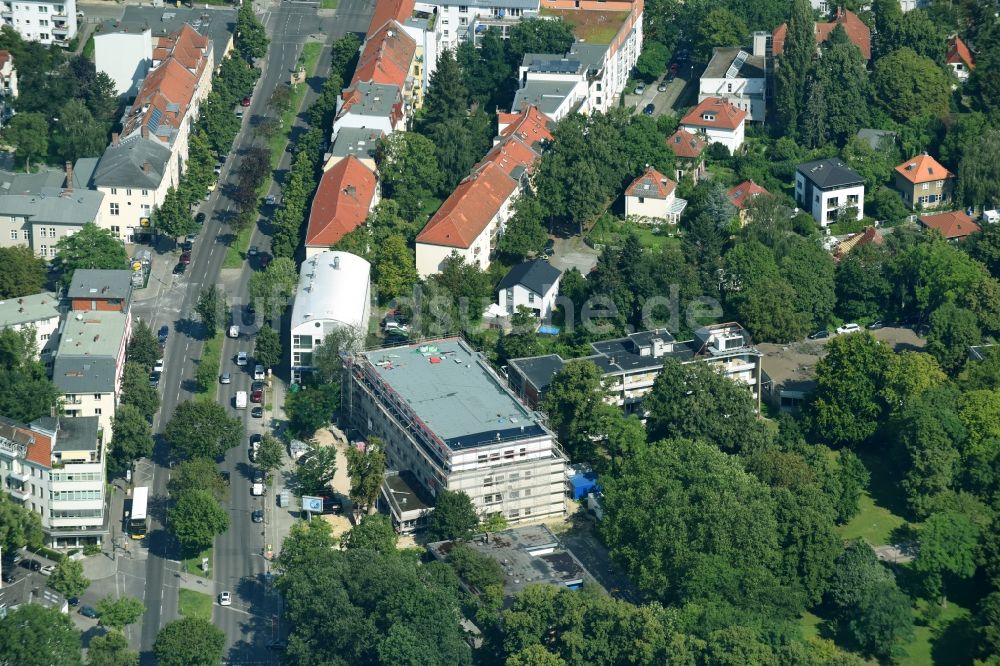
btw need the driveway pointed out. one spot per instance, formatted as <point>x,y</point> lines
<point>573,253</point>
<point>678,94</point>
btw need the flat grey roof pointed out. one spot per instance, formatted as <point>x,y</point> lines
<point>539,370</point>
<point>529,555</point>
<point>41,197</point>
<point>406,493</point>
<point>122,165</point>
<point>25,309</point>
<point>100,283</point>
<point>360,142</point>
<point>722,60</point>
<point>77,434</point>
<point>552,64</point>
<point>75,375</point>
<point>548,96</point>
<point>217,23</point>
<point>451,390</point>
<point>377,99</point>
<point>92,333</point>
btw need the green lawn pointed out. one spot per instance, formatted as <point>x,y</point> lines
<point>610,231</point>
<point>236,253</point>
<point>873,523</point>
<point>211,355</point>
<point>195,604</point>
<point>88,49</point>
<point>328,4</point>
<point>192,565</point>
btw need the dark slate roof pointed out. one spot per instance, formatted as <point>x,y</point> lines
<point>100,283</point>
<point>122,165</point>
<point>84,374</point>
<point>77,434</point>
<point>830,173</point>
<point>537,276</point>
<point>539,370</point>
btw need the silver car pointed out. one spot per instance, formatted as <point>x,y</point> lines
<point>224,378</point>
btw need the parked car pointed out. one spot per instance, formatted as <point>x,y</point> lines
<point>164,332</point>
<point>258,372</point>
<point>245,102</point>
<point>73,601</point>
<point>258,476</point>
<point>224,378</point>
<point>154,379</point>
<point>820,335</point>
<point>848,328</point>
<point>47,570</point>
<point>225,599</point>
<point>200,218</point>
<point>270,200</point>
<point>641,88</point>
<point>234,331</point>
<point>257,385</point>
<point>9,577</point>
<point>671,76</point>
<point>186,257</point>
<point>263,260</point>
<point>650,109</point>
<point>191,238</point>
<point>663,86</point>
<point>158,367</point>
<point>257,396</point>
<point>31,565</point>
<point>180,268</point>
<point>257,516</point>
<point>674,68</point>
<point>241,358</point>
<point>257,412</point>
<point>875,325</point>
<point>187,246</point>
<point>252,252</point>
<point>88,611</point>
<point>550,248</point>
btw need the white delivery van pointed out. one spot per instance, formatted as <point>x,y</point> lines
<point>234,331</point>
<point>241,400</point>
<point>257,489</point>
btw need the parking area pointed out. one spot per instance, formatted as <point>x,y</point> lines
<point>573,253</point>
<point>679,91</point>
<point>578,535</point>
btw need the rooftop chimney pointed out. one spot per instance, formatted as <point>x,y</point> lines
<point>145,132</point>
<point>114,138</point>
<point>69,176</point>
<point>146,167</point>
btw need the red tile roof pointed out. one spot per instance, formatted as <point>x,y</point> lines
<point>4,57</point>
<point>470,208</point>
<point>716,113</point>
<point>686,144</point>
<point>343,199</point>
<point>389,10</point>
<point>386,57</point>
<point>651,184</point>
<point>743,193</point>
<point>38,446</point>
<point>959,52</point>
<point>922,169</point>
<point>477,199</point>
<point>856,30</point>
<point>955,224</point>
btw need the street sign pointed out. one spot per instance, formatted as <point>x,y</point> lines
<point>312,504</point>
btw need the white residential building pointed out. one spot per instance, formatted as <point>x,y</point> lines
<point>652,197</point>
<point>534,285</point>
<point>8,86</point>
<point>828,188</point>
<point>739,77</point>
<point>56,468</point>
<point>334,294</point>
<point>41,21</point>
<point>371,106</point>
<point>448,419</point>
<point>460,21</point>
<point>38,313</point>
<point>125,57</point>
<point>717,121</point>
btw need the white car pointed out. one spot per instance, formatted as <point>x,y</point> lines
<point>159,366</point>
<point>47,570</point>
<point>241,358</point>
<point>234,331</point>
<point>258,372</point>
<point>225,599</point>
<point>848,328</point>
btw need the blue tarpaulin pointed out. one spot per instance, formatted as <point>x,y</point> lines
<point>583,484</point>
<point>547,329</point>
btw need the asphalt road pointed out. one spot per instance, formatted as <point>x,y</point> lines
<point>238,551</point>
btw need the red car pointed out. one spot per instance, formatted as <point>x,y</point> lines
<point>257,396</point>
<point>245,102</point>
<point>185,258</point>
<point>264,260</point>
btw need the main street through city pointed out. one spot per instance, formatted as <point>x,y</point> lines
<point>239,566</point>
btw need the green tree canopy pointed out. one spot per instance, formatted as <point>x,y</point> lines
<point>367,471</point>
<point>251,39</point>
<point>271,290</point>
<point>953,330</point>
<point>77,133</point>
<point>144,347</point>
<point>29,134</point>
<point>907,85</point>
<point>119,613</point>
<point>316,470</point>
<point>570,403</point>
<point>21,272</point>
<point>311,408</point>
<point>68,579</point>
<point>454,517</point>
<point>409,176</point>
<point>111,649</point>
<point>190,641</point>
<point>137,391</point>
<point>91,247</point>
<point>202,430</point>
<point>31,635</point>
<point>197,519</point>
<point>211,307</point>
<point>19,526</point>
<point>375,532</point>
<point>948,545</point>
<point>197,474</point>
<point>271,455</point>
<point>133,438</point>
<point>267,347</point>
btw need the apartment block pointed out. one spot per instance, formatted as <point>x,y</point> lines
<point>38,313</point>
<point>829,188</point>
<point>446,418</point>
<point>41,21</point>
<point>631,364</point>
<point>56,468</point>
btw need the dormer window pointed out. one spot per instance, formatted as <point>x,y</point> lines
<point>710,117</point>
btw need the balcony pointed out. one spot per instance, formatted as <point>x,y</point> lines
<point>20,477</point>
<point>60,28</point>
<point>20,494</point>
